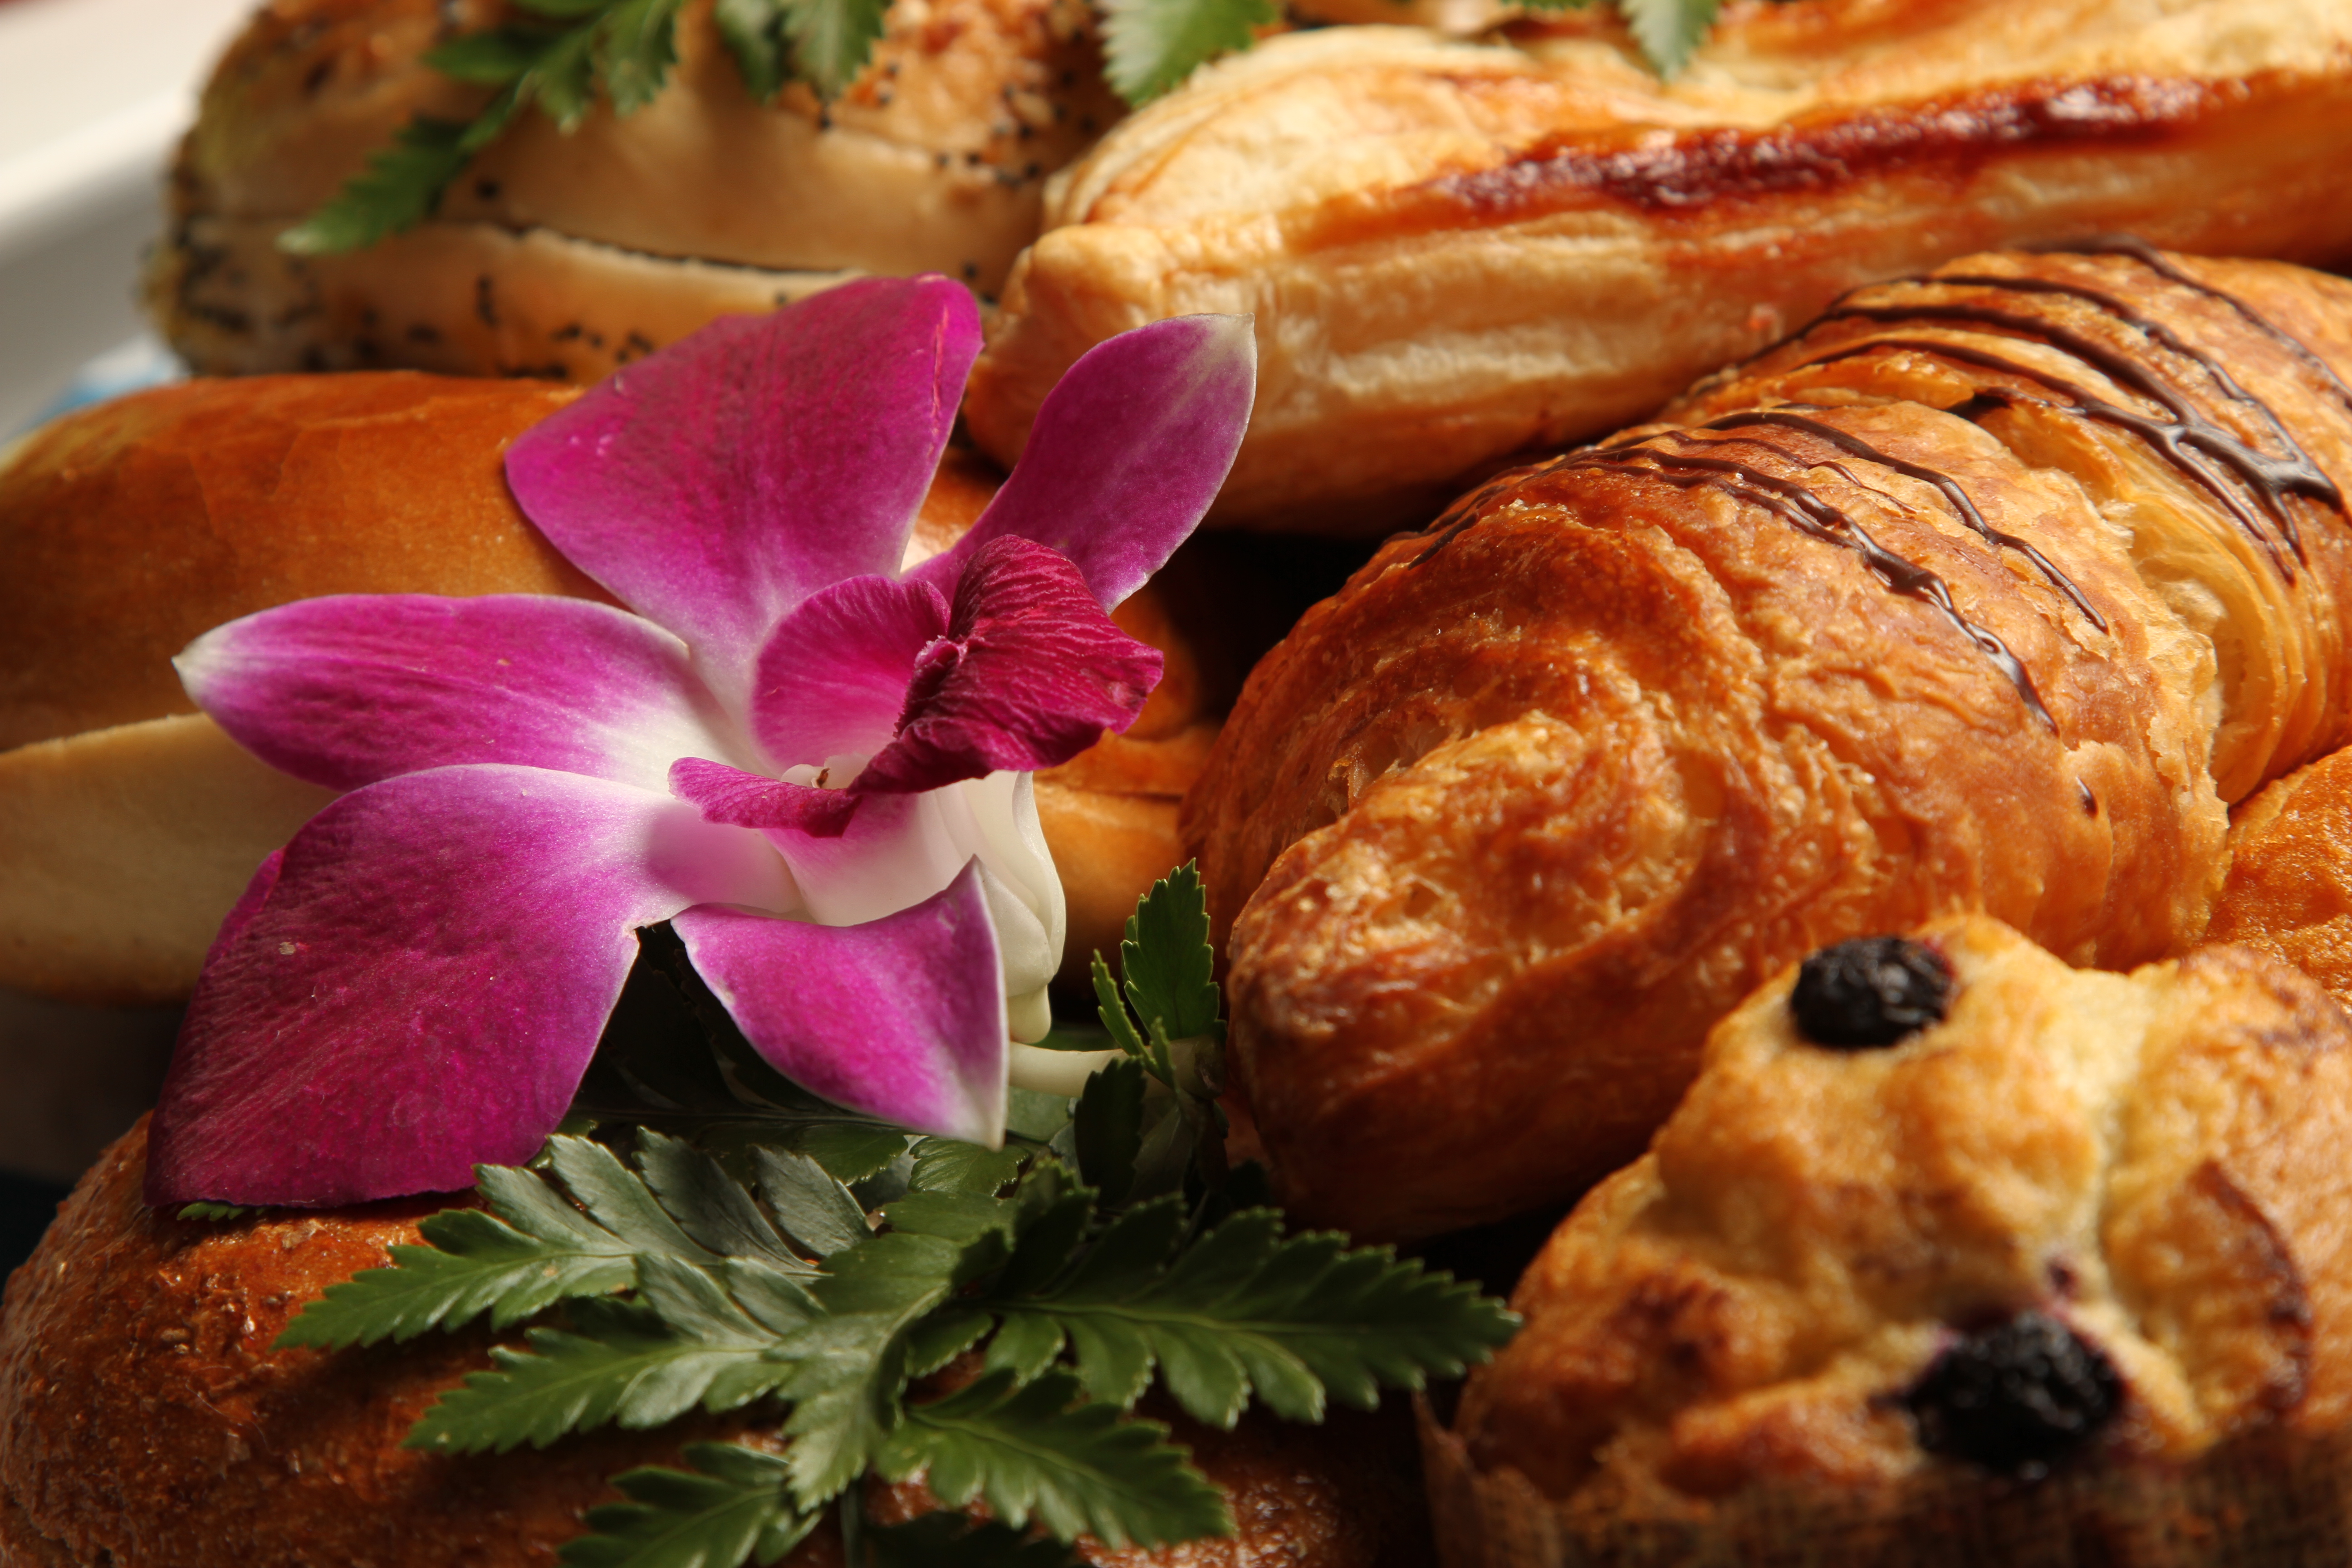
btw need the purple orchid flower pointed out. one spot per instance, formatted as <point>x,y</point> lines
<point>810,755</point>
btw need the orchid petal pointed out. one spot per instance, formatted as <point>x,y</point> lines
<point>417,985</point>
<point>896,850</point>
<point>738,799</point>
<point>833,677</point>
<point>1127,453</point>
<point>900,1017</point>
<point>348,691</point>
<point>899,850</point>
<point>1029,675</point>
<point>715,484</point>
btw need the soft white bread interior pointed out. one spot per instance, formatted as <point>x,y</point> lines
<point>129,823</point>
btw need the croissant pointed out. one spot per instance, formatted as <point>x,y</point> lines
<point>1987,592</point>
<point>1458,252</point>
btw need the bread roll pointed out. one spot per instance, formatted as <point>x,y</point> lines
<point>145,1422</point>
<point>2055,1224</point>
<point>1455,253</point>
<point>566,256</point>
<point>1987,592</point>
<point>129,823</point>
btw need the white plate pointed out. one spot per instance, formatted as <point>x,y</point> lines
<point>93,94</point>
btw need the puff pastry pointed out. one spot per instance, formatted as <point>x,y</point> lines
<point>1987,592</point>
<point>2132,1178</point>
<point>1458,252</point>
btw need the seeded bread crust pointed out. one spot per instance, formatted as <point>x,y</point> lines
<point>568,254</point>
<point>145,1422</point>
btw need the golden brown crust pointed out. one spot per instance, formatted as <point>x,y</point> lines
<point>2152,1160</point>
<point>567,255</point>
<point>1456,253</point>
<point>129,825</point>
<point>2289,890</point>
<point>145,1423</point>
<point>1548,788</point>
<point>133,526</point>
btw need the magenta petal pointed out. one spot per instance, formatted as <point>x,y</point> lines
<point>714,485</point>
<point>1128,451</point>
<point>1029,675</point>
<point>833,677</point>
<point>418,984</point>
<point>738,799</point>
<point>348,691</point>
<point>902,1018</point>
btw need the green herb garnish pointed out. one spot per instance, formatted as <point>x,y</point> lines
<point>1667,30</point>
<point>1080,1270</point>
<point>564,53</point>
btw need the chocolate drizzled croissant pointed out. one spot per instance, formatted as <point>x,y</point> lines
<point>1987,592</point>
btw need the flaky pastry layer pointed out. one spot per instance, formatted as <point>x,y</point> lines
<point>2149,1160</point>
<point>1457,252</point>
<point>1987,592</point>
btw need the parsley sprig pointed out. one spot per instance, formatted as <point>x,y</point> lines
<point>987,1319</point>
<point>560,55</point>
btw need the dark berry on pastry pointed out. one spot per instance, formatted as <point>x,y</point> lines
<point>1871,991</point>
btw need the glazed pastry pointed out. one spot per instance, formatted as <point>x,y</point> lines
<point>2289,890</point>
<point>1941,1210</point>
<point>1455,253</point>
<point>1987,591</point>
<point>129,823</point>
<point>566,256</point>
<point>145,1422</point>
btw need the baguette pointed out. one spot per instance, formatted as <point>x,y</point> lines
<point>1988,592</point>
<point>130,824</point>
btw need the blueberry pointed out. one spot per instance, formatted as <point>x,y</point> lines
<point>1871,991</point>
<point>2017,1398</point>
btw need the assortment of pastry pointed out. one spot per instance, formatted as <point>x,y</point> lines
<point>1456,252</point>
<point>1991,589</point>
<point>1870,843</point>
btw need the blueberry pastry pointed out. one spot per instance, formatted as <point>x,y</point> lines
<point>1943,1217</point>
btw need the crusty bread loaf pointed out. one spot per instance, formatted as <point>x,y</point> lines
<point>2056,1220</point>
<point>129,823</point>
<point>1457,252</point>
<point>146,1422</point>
<point>1987,591</point>
<point>565,255</point>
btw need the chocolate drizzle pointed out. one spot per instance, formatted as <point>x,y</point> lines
<point>2187,439</point>
<point>1809,515</point>
<point>2183,436</point>
<point>1854,445</point>
<point>2155,260</point>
